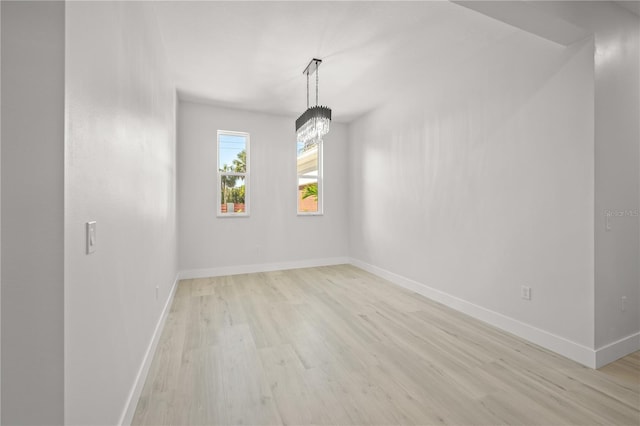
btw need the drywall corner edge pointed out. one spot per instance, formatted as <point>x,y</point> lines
<point>136,390</point>
<point>572,350</point>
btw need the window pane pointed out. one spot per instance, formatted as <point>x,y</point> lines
<point>232,153</point>
<point>307,159</point>
<point>232,192</point>
<point>309,171</point>
<point>307,194</point>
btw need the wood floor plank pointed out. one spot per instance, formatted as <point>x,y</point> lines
<point>337,345</point>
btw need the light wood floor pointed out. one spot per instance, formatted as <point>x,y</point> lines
<point>336,345</point>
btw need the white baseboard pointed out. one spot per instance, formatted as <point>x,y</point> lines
<point>261,267</point>
<point>616,350</point>
<point>132,401</point>
<point>572,350</point>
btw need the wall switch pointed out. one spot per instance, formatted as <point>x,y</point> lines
<point>623,303</point>
<point>91,237</point>
<point>608,225</point>
<point>525,292</point>
<point>157,292</point>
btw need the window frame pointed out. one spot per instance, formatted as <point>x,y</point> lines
<point>246,175</point>
<point>320,179</point>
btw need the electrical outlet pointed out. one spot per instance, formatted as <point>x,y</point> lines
<point>525,292</point>
<point>623,303</point>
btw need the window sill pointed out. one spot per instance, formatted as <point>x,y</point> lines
<point>230,215</point>
<point>310,214</point>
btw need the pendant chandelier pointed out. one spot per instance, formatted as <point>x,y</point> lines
<point>313,124</point>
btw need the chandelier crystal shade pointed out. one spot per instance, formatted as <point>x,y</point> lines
<point>314,123</point>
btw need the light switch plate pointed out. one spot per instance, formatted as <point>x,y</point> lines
<point>91,237</point>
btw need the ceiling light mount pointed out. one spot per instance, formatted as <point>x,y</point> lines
<point>314,123</point>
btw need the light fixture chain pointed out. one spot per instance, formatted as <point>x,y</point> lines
<point>317,79</point>
<point>307,89</point>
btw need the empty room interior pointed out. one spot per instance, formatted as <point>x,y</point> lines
<point>312,212</point>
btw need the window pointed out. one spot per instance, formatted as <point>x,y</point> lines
<point>233,174</point>
<point>309,166</point>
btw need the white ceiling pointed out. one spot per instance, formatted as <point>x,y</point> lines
<point>251,55</point>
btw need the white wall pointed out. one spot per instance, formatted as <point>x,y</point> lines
<point>273,234</point>
<point>0,215</point>
<point>32,212</point>
<point>617,186</point>
<point>617,137</point>
<point>120,172</point>
<point>478,179</point>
